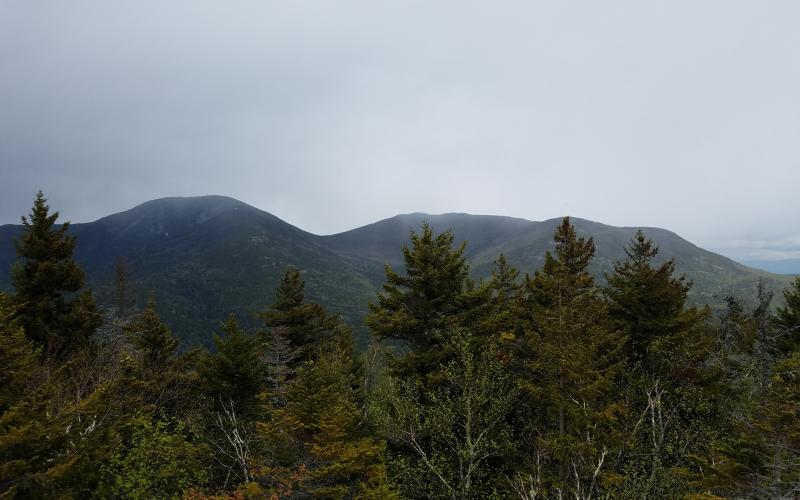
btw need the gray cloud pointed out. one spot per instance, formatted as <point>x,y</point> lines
<point>330,115</point>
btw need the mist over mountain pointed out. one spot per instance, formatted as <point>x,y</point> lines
<point>204,257</point>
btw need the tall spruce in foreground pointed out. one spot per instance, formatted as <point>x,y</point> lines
<point>649,304</point>
<point>47,282</point>
<point>416,308</point>
<point>571,362</point>
<point>668,426</point>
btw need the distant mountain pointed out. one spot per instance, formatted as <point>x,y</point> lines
<point>205,257</point>
<point>524,243</point>
<point>785,266</point>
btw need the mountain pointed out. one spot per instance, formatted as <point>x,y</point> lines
<point>524,243</point>
<point>204,257</point>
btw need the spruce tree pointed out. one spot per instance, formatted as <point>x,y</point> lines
<point>152,339</point>
<point>777,433</point>
<point>668,377</point>
<point>412,307</point>
<point>649,304</point>
<point>47,282</point>
<point>235,372</point>
<point>306,326</point>
<point>416,308</point>
<point>572,361</point>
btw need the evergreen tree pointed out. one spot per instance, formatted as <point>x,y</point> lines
<point>417,308</point>
<point>18,357</point>
<point>668,378</point>
<point>315,444</point>
<point>788,318</point>
<point>47,281</point>
<point>452,437</point>
<point>305,325</point>
<point>152,339</point>
<point>572,360</point>
<point>649,304</point>
<point>234,373</point>
<point>777,434</point>
<point>506,294</point>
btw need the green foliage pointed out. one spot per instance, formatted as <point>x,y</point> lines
<point>153,459</point>
<point>154,342</point>
<point>571,362</point>
<point>412,308</point>
<point>19,357</point>
<point>451,437</point>
<point>788,318</point>
<point>778,427</point>
<point>314,439</point>
<point>235,372</point>
<point>649,304</point>
<point>668,383</point>
<point>545,388</point>
<point>503,311</point>
<point>417,308</point>
<point>46,280</point>
<point>305,325</point>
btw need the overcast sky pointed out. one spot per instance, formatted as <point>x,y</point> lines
<point>333,114</point>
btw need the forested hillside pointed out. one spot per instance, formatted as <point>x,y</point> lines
<point>205,257</point>
<point>547,385</point>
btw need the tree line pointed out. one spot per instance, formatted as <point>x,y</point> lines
<point>533,386</point>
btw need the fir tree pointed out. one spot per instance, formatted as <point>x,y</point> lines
<point>47,281</point>
<point>668,378</point>
<point>413,306</point>
<point>777,431</point>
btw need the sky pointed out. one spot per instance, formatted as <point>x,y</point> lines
<point>331,115</point>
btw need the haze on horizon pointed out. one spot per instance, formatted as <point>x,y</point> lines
<point>683,115</point>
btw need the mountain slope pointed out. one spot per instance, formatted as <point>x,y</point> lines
<point>525,242</point>
<point>205,257</point>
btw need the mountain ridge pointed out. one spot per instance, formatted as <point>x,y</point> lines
<point>210,255</point>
